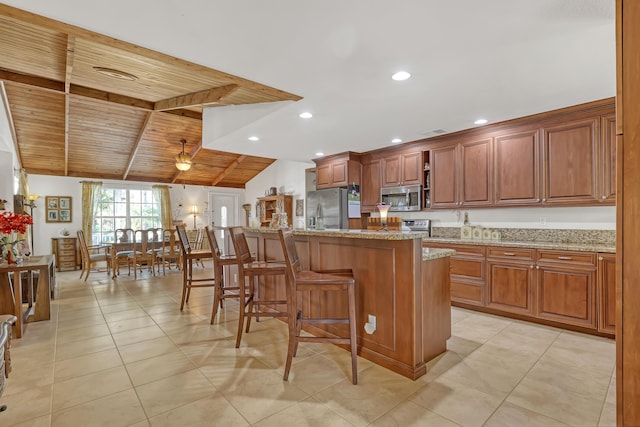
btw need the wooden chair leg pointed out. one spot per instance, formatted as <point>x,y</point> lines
<point>351,292</point>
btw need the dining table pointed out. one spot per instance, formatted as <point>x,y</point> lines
<point>38,304</point>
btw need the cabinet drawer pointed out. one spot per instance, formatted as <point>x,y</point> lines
<point>567,257</point>
<point>66,258</point>
<point>510,253</point>
<point>468,268</point>
<point>66,245</point>
<point>468,293</point>
<point>461,250</point>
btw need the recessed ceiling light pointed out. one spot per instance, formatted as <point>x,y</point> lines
<point>319,154</point>
<point>306,115</point>
<point>480,122</point>
<point>396,140</point>
<point>401,75</point>
<point>111,72</point>
<point>254,138</point>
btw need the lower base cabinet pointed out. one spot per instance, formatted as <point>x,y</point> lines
<point>607,293</point>
<point>568,288</point>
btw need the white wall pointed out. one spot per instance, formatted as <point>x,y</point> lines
<point>65,186</point>
<point>287,176</point>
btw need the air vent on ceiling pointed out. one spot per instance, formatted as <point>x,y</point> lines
<point>433,132</point>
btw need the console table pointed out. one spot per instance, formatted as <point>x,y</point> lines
<point>38,306</point>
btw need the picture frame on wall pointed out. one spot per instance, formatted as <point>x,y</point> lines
<point>58,209</point>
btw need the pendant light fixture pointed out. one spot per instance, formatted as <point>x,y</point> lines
<point>183,160</point>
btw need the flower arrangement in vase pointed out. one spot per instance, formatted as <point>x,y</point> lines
<point>12,224</point>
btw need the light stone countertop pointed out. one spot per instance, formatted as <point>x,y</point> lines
<point>435,253</point>
<point>580,247</point>
<point>350,234</point>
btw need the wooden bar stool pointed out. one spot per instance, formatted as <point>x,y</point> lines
<point>219,262</point>
<point>299,280</point>
<point>251,305</point>
<point>188,256</point>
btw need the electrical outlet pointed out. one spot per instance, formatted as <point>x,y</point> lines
<point>235,277</point>
<point>372,320</point>
<point>543,220</point>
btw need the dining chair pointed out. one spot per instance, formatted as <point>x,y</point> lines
<point>249,273</point>
<point>123,247</point>
<point>190,255</point>
<point>299,280</point>
<point>220,262</point>
<point>91,255</point>
<point>141,256</point>
<point>170,252</point>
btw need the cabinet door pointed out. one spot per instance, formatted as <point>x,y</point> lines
<point>339,174</point>
<point>444,179</point>
<point>511,286</point>
<point>370,187</point>
<point>608,159</point>
<point>323,176</point>
<point>391,171</point>
<point>517,169</point>
<point>411,168</point>
<point>566,295</point>
<point>476,186</point>
<point>569,162</point>
<point>607,293</point>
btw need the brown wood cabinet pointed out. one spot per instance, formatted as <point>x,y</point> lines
<point>371,183</point>
<point>570,162</point>
<point>468,274</point>
<point>608,171</point>
<point>462,174</point>
<point>607,293</point>
<point>511,279</point>
<point>268,206</point>
<point>566,287</point>
<point>66,253</point>
<point>517,168</point>
<point>338,170</point>
<point>402,169</point>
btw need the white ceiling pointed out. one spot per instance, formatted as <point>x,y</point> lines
<point>497,59</point>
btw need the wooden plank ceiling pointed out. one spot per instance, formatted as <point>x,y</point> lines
<point>86,105</point>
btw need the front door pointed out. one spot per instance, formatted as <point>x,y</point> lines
<point>224,213</point>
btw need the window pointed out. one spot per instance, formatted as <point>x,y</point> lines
<point>124,208</point>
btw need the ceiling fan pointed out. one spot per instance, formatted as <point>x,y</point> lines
<point>183,160</point>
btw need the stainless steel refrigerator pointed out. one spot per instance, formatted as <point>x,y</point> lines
<point>330,206</point>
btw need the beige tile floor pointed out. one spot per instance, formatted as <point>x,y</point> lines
<point>120,353</point>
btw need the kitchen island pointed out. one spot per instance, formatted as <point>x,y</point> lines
<point>402,284</point>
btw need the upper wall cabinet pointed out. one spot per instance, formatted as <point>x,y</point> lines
<point>339,170</point>
<point>575,164</point>
<point>402,169</point>
<point>461,174</point>
<point>370,189</point>
<point>570,162</point>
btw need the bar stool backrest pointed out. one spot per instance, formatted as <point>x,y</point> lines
<point>184,240</point>
<point>240,246</point>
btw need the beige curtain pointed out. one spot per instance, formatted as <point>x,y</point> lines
<point>23,189</point>
<point>163,198</point>
<point>90,193</point>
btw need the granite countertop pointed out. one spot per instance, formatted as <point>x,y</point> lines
<point>435,253</point>
<point>350,234</point>
<point>581,247</point>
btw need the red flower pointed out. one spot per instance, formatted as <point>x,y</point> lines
<point>11,222</point>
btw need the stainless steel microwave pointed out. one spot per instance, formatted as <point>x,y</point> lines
<point>402,199</point>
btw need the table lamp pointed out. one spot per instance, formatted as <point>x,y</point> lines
<point>384,209</point>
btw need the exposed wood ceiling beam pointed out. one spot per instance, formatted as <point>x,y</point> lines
<point>136,146</point>
<point>111,97</point>
<point>228,170</point>
<point>25,79</point>
<point>185,113</point>
<point>71,43</point>
<point>7,108</point>
<point>204,97</point>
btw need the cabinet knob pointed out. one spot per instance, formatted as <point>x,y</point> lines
<point>544,200</point>
<point>600,258</point>
<point>531,266</point>
<point>538,200</point>
<point>537,267</point>
<point>603,198</point>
